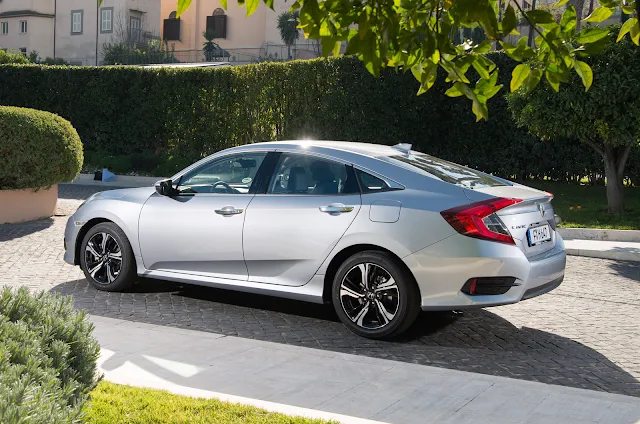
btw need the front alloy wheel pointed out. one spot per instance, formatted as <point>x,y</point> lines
<point>375,296</point>
<point>103,256</point>
<point>106,257</point>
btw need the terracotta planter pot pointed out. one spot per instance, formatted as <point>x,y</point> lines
<point>27,205</point>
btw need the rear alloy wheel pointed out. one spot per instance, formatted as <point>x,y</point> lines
<point>106,258</point>
<point>374,296</point>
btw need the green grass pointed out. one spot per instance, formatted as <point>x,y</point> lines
<point>582,206</point>
<point>114,403</point>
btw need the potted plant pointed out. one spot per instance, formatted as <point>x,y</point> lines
<point>38,150</point>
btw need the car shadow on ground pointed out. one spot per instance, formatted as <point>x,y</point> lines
<point>22,229</point>
<point>627,269</point>
<point>476,341</point>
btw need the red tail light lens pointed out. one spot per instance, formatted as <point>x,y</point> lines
<point>469,220</point>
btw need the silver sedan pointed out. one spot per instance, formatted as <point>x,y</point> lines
<point>380,232</point>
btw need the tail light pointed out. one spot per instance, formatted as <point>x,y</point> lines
<point>478,219</point>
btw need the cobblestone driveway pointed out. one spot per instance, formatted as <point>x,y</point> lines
<point>584,334</point>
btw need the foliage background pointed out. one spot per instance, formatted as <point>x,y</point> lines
<point>174,116</point>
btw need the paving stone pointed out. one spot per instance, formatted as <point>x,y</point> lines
<point>583,334</point>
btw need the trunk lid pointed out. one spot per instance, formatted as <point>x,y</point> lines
<point>534,210</point>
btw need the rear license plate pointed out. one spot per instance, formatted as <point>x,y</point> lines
<point>540,234</point>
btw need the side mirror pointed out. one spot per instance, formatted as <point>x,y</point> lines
<point>164,187</point>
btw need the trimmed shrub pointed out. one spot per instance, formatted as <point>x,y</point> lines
<point>37,149</point>
<point>8,57</point>
<point>190,113</point>
<point>47,358</point>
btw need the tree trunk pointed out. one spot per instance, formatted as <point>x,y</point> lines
<point>579,5</point>
<point>615,159</point>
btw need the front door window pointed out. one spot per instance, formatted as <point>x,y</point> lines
<point>233,174</point>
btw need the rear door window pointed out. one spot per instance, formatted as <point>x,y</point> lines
<point>449,172</point>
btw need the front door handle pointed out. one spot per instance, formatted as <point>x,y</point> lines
<point>336,208</point>
<point>229,211</point>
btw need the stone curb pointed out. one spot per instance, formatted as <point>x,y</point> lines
<point>601,235</point>
<point>605,254</point>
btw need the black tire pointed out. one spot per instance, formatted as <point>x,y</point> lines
<point>404,299</point>
<point>108,275</point>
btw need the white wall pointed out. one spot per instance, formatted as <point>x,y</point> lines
<point>39,29</point>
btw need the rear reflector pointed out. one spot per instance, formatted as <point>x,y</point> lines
<point>469,220</point>
<point>488,286</point>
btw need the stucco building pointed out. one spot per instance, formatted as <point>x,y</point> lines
<point>76,30</point>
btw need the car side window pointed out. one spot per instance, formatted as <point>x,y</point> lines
<point>369,183</point>
<point>305,174</point>
<point>231,174</point>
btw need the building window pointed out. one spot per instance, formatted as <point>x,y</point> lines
<point>76,21</point>
<point>106,19</point>
<point>5,28</point>
<point>171,30</point>
<point>217,23</point>
<point>23,27</point>
<point>23,51</point>
<point>135,26</point>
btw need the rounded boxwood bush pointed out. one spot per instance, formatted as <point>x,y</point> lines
<point>37,149</point>
<point>47,358</point>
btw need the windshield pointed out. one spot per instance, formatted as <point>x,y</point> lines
<point>449,171</point>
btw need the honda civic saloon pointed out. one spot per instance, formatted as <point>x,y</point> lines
<point>380,232</point>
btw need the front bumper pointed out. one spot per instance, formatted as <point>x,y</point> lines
<point>70,235</point>
<point>443,268</point>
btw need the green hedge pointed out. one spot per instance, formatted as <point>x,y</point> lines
<point>38,149</point>
<point>47,358</point>
<point>189,113</point>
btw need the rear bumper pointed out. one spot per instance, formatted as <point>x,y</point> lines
<point>443,268</point>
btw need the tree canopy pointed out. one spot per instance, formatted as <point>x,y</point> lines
<point>607,117</point>
<point>416,35</point>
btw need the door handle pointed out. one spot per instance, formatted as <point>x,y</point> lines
<point>229,211</point>
<point>336,208</point>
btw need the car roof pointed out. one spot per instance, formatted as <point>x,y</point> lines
<point>365,149</point>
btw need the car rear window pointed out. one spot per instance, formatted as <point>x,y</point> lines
<point>449,171</point>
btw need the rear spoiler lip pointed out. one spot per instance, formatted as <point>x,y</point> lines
<point>513,209</point>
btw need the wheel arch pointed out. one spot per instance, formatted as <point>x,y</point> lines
<point>349,251</point>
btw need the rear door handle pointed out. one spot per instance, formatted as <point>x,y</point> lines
<point>229,211</point>
<point>336,208</point>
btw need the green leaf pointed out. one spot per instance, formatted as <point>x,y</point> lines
<point>626,27</point>
<point>509,21</point>
<point>635,32</point>
<point>533,80</point>
<point>519,75</point>
<point>481,70</point>
<point>553,80</point>
<point>182,6</point>
<point>585,73</point>
<point>560,3</point>
<point>251,5</point>
<point>599,14</point>
<point>490,92</point>
<point>484,47</point>
<point>540,16</point>
<point>456,90</point>
<point>268,3</point>
<point>569,20</point>
<point>590,35</point>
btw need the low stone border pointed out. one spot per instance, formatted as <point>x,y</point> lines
<point>120,181</point>
<point>600,235</point>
